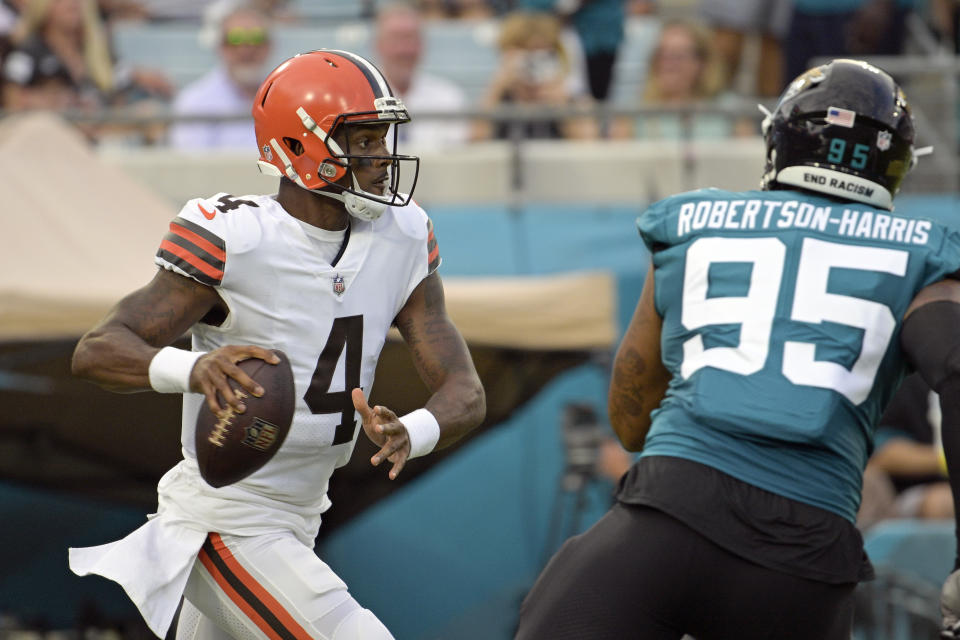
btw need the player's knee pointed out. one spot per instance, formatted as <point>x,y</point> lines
<point>361,623</point>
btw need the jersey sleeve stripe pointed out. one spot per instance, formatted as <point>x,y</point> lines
<point>215,261</point>
<point>433,249</point>
<point>189,263</point>
<point>199,236</point>
<point>247,593</point>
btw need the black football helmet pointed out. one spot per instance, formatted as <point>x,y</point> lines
<point>844,129</point>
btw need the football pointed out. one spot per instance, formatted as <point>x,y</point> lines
<point>233,445</point>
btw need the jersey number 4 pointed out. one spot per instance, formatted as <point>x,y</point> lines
<point>812,303</point>
<point>346,333</point>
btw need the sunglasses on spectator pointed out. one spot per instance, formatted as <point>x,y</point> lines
<point>253,37</point>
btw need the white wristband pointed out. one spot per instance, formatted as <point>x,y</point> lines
<point>170,369</point>
<point>423,430</point>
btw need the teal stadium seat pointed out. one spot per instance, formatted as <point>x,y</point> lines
<point>923,549</point>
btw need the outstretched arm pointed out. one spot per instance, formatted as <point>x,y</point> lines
<point>116,354</point>
<point>639,379</point>
<point>440,354</point>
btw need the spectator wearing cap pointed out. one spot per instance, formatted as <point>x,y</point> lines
<point>225,93</point>
<point>9,15</point>
<point>61,59</point>
<point>34,78</point>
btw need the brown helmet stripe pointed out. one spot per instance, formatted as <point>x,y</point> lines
<point>378,84</point>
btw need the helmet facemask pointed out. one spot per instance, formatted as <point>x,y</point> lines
<point>340,167</point>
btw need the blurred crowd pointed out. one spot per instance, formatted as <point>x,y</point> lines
<point>60,55</point>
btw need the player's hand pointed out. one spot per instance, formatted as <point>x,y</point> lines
<point>950,606</point>
<point>212,370</point>
<point>386,431</point>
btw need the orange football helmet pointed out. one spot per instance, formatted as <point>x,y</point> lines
<point>299,107</point>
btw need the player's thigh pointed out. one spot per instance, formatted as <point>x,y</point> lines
<point>269,586</point>
<point>193,625</point>
<point>736,598</point>
<point>620,579</point>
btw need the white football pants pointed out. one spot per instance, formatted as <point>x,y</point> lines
<point>267,588</point>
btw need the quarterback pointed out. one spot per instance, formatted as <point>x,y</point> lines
<point>319,270</point>
<point>772,330</point>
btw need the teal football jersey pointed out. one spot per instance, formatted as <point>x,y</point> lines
<point>781,329</point>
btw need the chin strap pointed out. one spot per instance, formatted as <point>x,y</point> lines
<point>767,119</point>
<point>356,205</point>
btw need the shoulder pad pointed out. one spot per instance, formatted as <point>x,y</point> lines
<point>207,231</point>
<point>412,220</point>
<point>234,219</point>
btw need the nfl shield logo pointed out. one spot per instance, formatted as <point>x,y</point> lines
<point>883,140</point>
<point>268,153</point>
<point>338,286</point>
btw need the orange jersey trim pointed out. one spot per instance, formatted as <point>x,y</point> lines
<point>194,261</point>
<point>203,243</point>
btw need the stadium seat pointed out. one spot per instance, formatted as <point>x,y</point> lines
<point>922,548</point>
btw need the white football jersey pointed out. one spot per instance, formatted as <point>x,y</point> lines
<point>331,321</point>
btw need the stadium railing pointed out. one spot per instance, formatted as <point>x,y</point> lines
<point>897,606</point>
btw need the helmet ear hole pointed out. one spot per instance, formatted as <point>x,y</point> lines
<point>295,146</point>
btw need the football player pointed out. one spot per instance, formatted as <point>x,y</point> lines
<point>772,329</point>
<point>320,270</point>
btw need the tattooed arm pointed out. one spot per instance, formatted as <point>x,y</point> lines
<point>444,364</point>
<point>443,361</point>
<point>116,353</point>
<point>639,379</point>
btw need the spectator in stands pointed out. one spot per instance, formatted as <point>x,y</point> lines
<point>30,85</point>
<point>684,71</point>
<point>227,90</point>
<point>533,71</point>
<point>398,41</point>
<point>61,59</point>
<point>642,7</point>
<point>599,26</point>
<point>278,11</point>
<point>472,9</point>
<point>461,9</point>
<point>734,21</point>
<point>118,10</point>
<point>830,28</point>
<point>945,19</point>
<point>906,474</point>
<point>433,9</point>
<point>169,10</point>
<point>9,15</point>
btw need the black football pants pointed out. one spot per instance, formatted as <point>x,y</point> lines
<point>639,573</point>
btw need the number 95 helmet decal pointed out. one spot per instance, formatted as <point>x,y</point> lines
<point>843,129</point>
<point>307,100</point>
